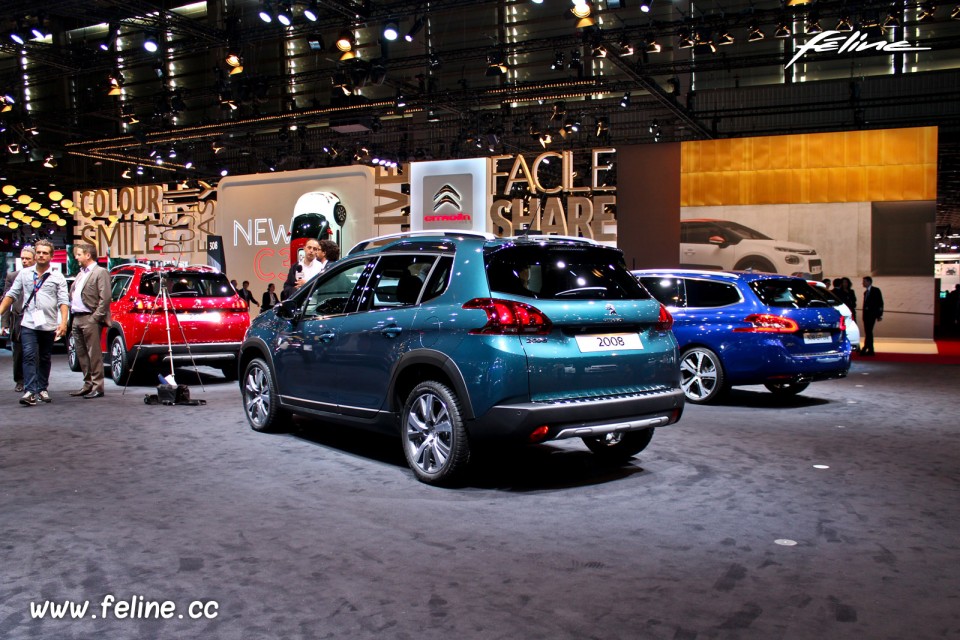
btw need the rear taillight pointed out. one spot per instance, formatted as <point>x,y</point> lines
<point>238,304</point>
<point>146,304</point>
<point>665,321</point>
<point>768,323</point>
<point>506,317</point>
<point>843,324</point>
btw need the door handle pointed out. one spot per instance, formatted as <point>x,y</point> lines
<point>392,331</point>
<point>327,337</point>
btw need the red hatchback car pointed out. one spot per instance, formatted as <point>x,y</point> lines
<point>207,321</point>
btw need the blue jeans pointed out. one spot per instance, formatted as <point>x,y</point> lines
<point>37,349</point>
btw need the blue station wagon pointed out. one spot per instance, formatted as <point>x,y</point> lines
<point>450,338</point>
<point>744,328</point>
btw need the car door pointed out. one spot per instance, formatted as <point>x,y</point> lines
<point>700,246</point>
<point>369,342</point>
<point>309,373</point>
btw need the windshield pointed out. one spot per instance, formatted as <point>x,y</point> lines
<point>551,272</point>
<point>744,232</point>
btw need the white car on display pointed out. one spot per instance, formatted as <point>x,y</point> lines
<point>724,245</point>
<point>853,331</point>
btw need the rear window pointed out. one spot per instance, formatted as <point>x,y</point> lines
<point>187,284</point>
<point>563,273</point>
<point>789,293</point>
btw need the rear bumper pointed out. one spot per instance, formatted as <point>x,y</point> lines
<point>574,419</point>
<point>212,353</point>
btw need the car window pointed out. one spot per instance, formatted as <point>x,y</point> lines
<point>550,272</point>
<point>709,293</point>
<point>396,281</point>
<point>666,290</point>
<point>118,286</point>
<point>439,279</point>
<point>332,291</point>
<point>792,293</point>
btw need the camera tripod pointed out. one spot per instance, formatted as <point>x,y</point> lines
<point>163,297</point>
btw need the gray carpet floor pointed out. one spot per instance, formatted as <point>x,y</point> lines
<point>830,515</point>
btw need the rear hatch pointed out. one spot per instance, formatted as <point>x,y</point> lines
<point>812,325</point>
<point>203,307</point>
<point>602,334</point>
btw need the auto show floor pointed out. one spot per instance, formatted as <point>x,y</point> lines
<point>830,515</point>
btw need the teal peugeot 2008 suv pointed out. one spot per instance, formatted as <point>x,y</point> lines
<point>450,338</point>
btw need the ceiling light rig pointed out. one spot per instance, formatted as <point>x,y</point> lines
<point>311,12</point>
<point>414,30</point>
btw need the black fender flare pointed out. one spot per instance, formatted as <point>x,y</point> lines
<point>439,360</point>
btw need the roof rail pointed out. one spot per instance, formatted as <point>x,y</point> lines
<point>381,240</point>
<point>543,236</point>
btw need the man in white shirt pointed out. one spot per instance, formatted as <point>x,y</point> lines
<point>44,294</point>
<point>314,261</point>
<point>90,304</point>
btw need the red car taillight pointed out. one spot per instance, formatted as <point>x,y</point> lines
<point>665,321</point>
<point>506,317</point>
<point>147,304</point>
<point>769,323</point>
<point>843,324</point>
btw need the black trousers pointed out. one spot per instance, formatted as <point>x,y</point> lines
<point>869,320</point>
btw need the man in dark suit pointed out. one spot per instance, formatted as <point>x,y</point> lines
<point>872,313</point>
<point>247,295</point>
<point>11,321</point>
<point>90,305</point>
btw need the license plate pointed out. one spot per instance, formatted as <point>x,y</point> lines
<point>816,268</point>
<point>207,316</point>
<point>818,337</point>
<point>609,342</point>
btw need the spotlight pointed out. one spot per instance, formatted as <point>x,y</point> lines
<point>400,102</point>
<point>684,41</point>
<point>113,30</point>
<point>150,43</point>
<point>625,100</point>
<point>955,14</point>
<point>651,45</point>
<point>49,161</point>
<point>284,16</point>
<point>813,24</point>
<point>115,84</point>
<point>582,10</point>
<point>724,39</point>
<point>783,30</point>
<point>265,14</point>
<point>235,61</point>
<point>626,48</point>
<point>603,125</point>
<point>414,30</point>
<point>559,110</point>
<point>645,5</point>
<point>495,64</point>
<point>345,41</point>
<point>926,11</point>
<point>391,31</point>
<point>575,62</point>
<point>892,21</point>
<point>598,51</point>
<point>845,24</point>
<point>224,172</point>
<point>310,13</point>
<point>754,33</point>
<point>434,61</point>
<point>6,103</point>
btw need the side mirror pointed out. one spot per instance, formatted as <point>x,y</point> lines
<point>286,309</point>
<point>720,241</point>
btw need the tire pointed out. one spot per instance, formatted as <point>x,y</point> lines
<point>119,361</point>
<point>785,389</point>
<point>72,360</point>
<point>619,447</point>
<point>434,438</point>
<point>701,375</point>
<point>756,264</point>
<point>261,402</point>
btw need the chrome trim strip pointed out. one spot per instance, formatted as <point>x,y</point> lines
<point>615,427</point>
